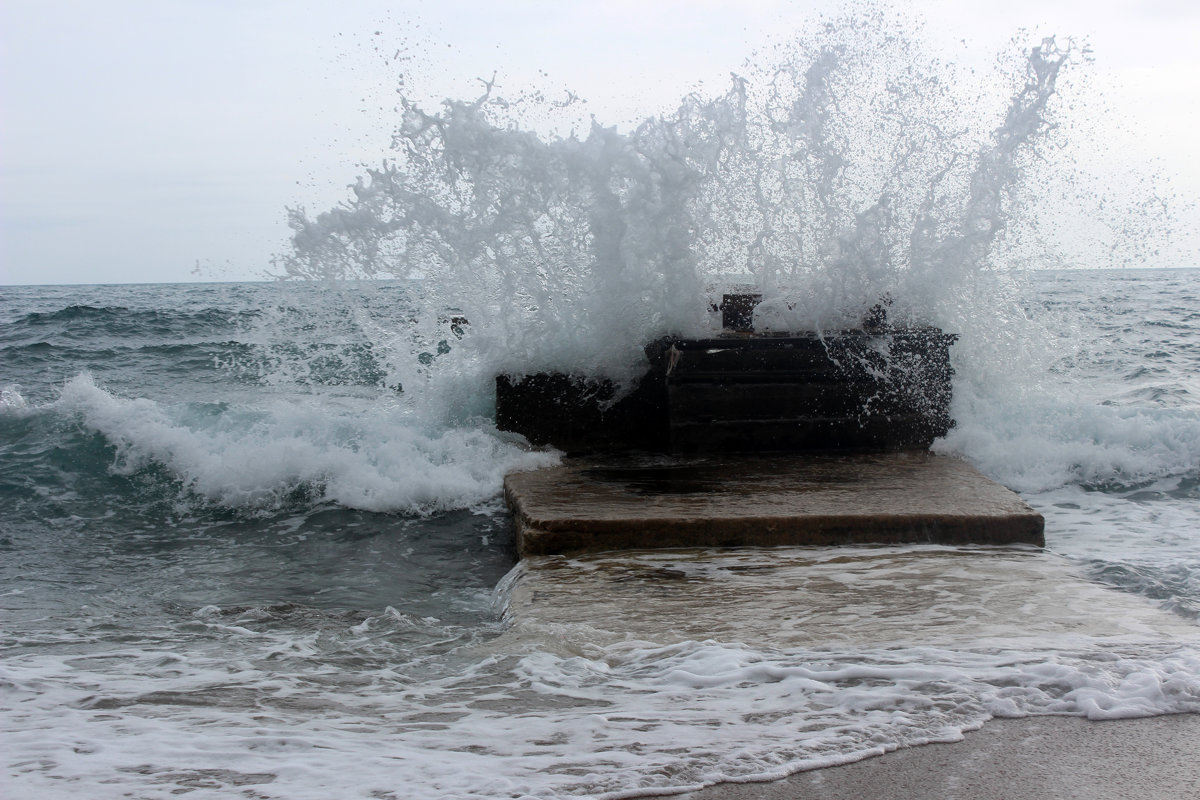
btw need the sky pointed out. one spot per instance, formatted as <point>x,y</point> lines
<point>163,140</point>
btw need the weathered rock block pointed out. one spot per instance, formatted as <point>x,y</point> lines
<point>857,390</point>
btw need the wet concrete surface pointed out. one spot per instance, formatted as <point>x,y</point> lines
<point>590,505</point>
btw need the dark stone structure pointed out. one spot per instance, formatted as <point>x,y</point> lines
<point>874,389</point>
<point>584,415</point>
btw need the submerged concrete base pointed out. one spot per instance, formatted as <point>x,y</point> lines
<point>997,598</point>
<point>731,501</point>
<point>922,606</point>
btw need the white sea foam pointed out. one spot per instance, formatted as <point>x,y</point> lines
<point>1034,444</point>
<point>616,720</point>
<point>12,402</point>
<point>360,453</point>
<point>293,703</point>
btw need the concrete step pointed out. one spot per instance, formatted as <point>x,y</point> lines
<point>591,505</point>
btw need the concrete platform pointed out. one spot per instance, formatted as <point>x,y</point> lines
<point>590,505</point>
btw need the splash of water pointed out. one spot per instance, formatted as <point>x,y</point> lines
<point>842,168</point>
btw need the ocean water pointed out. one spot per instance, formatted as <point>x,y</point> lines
<point>235,564</point>
<point>252,537</point>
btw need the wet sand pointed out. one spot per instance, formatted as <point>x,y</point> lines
<point>1036,758</point>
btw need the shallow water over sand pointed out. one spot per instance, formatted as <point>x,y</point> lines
<point>830,597</point>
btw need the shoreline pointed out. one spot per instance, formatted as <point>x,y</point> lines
<point>1030,758</point>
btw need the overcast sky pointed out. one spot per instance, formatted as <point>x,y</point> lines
<point>139,138</point>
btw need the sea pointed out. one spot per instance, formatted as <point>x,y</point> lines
<point>253,541</point>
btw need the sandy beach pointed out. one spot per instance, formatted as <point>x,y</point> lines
<point>1036,758</point>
